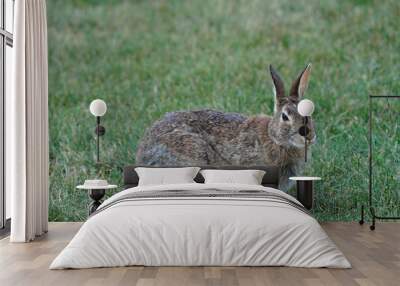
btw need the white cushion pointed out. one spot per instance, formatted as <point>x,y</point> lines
<point>166,176</point>
<point>246,177</point>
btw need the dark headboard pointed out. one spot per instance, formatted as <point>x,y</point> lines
<point>270,179</point>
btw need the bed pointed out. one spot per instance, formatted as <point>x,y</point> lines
<point>199,224</point>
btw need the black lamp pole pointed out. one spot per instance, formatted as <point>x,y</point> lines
<point>305,121</point>
<point>100,131</point>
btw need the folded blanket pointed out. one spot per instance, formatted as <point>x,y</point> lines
<point>207,194</point>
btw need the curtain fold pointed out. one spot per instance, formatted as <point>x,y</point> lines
<point>28,123</point>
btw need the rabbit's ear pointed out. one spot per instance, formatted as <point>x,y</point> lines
<point>299,86</point>
<point>279,89</point>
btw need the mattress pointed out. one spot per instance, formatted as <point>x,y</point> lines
<point>201,225</point>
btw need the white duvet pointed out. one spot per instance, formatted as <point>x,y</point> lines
<point>200,231</point>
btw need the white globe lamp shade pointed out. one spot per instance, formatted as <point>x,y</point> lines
<point>305,107</point>
<point>98,107</point>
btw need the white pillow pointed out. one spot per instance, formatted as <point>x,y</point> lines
<point>165,176</point>
<point>247,177</point>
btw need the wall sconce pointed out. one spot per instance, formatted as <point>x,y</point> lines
<point>305,109</point>
<point>98,108</point>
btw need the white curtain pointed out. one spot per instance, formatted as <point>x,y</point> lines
<point>27,124</point>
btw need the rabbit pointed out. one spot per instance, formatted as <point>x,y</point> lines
<point>209,137</point>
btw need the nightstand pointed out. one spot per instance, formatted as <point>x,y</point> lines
<point>96,193</point>
<point>305,190</point>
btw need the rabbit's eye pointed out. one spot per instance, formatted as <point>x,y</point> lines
<point>284,117</point>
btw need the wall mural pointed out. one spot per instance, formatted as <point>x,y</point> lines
<point>188,82</point>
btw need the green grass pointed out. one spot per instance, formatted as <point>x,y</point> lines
<point>145,58</point>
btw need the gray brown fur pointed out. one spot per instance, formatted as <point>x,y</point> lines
<point>209,137</point>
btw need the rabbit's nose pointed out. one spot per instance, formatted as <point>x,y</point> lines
<point>304,131</point>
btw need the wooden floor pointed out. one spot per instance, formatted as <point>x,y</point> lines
<point>375,257</point>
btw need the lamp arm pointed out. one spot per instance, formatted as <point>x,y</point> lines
<point>98,138</point>
<point>305,121</point>
<point>99,131</point>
